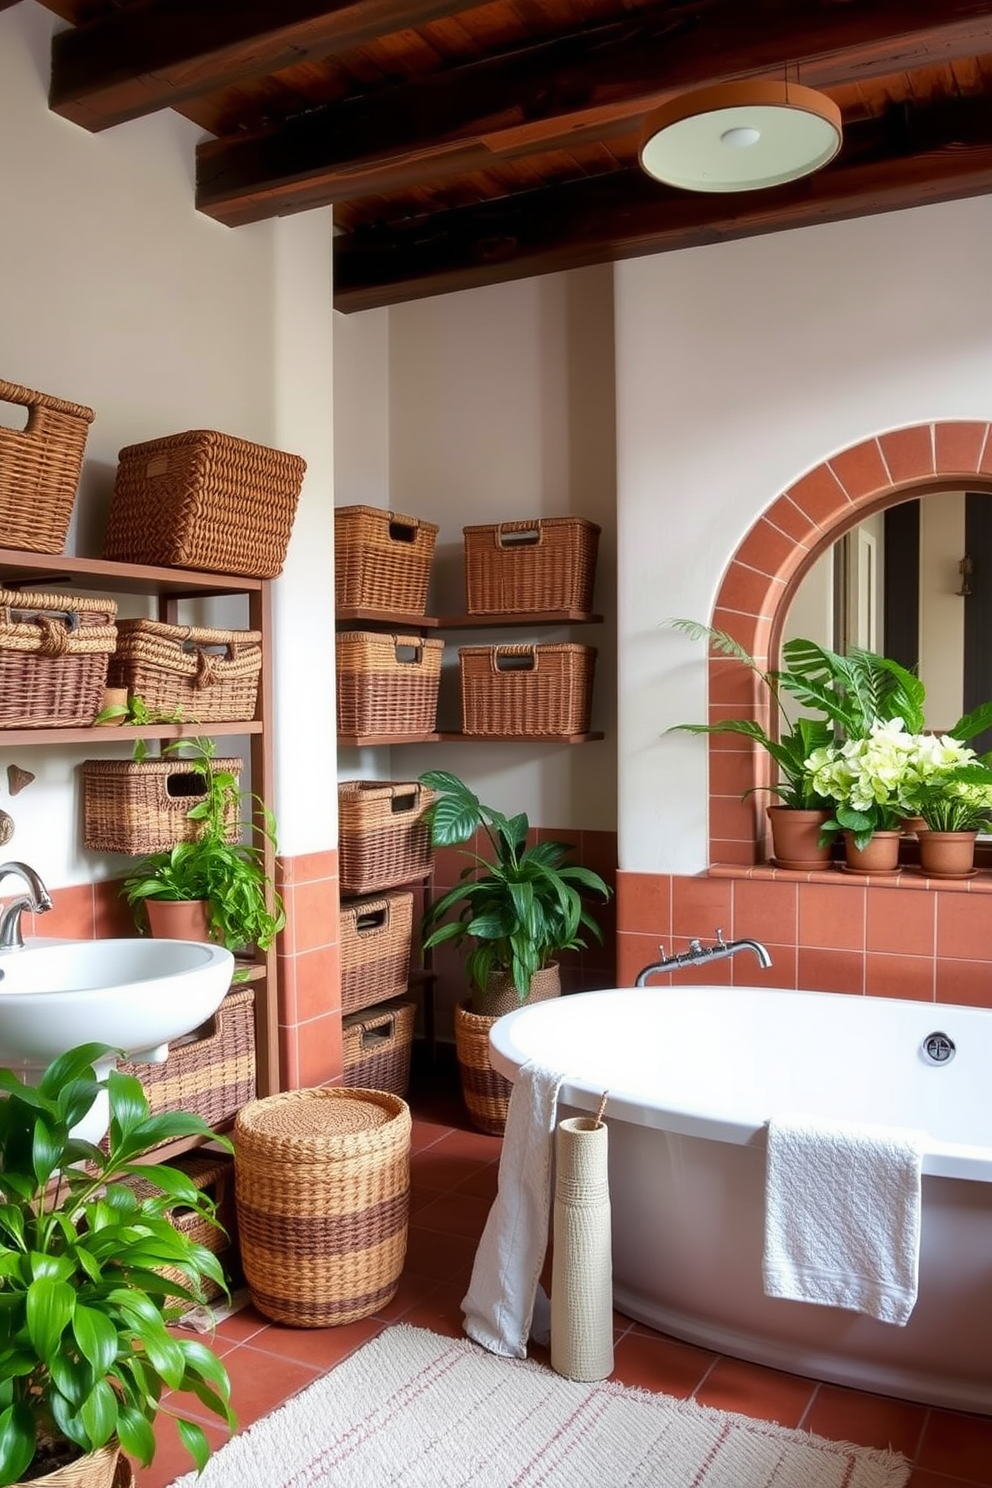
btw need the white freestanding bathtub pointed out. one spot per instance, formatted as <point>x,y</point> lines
<point>693,1075</point>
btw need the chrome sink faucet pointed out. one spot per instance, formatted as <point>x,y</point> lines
<point>38,901</point>
<point>699,955</point>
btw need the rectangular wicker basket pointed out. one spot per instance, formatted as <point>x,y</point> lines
<point>142,806</point>
<point>375,938</point>
<point>526,689</point>
<point>387,684</point>
<point>530,567</point>
<point>382,560</point>
<point>54,651</point>
<point>206,675</point>
<point>212,1172</point>
<point>378,1045</point>
<point>383,839</point>
<point>212,1073</point>
<point>205,501</point>
<point>39,469</point>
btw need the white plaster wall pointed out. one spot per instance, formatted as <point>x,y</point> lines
<point>740,366</point>
<point>501,407</point>
<point>116,293</point>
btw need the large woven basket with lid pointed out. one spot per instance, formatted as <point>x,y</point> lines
<point>322,1187</point>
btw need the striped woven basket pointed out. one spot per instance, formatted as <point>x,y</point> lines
<point>54,651</point>
<point>383,837</point>
<point>377,1045</point>
<point>375,936</point>
<point>485,1091</point>
<point>322,1184</point>
<point>204,674</point>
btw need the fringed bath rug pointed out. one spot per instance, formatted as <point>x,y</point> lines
<point>414,1409</point>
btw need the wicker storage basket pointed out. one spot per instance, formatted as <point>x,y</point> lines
<point>206,675</point>
<point>214,1173</point>
<point>377,1046</point>
<point>213,1073</point>
<point>383,839</point>
<point>485,1091</point>
<point>530,567</point>
<point>142,806</point>
<point>382,560</point>
<point>205,501</point>
<point>375,937</point>
<point>387,684</point>
<point>39,469</point>
<point>54,650</point>
<point>526,689</point>
<point>322,1183</point>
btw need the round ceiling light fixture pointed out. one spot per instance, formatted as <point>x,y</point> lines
<point>740,136</point>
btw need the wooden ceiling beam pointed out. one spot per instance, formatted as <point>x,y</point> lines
<point>160,54</point>
<point>904,160</point>
<point>592,84</point>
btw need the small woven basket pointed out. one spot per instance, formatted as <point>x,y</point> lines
<point>530,567</point>
<point>387,684</point>
<point>486,1093</point>
<point>382,560</point>
<point>377,1046</point>
<point>142,806</point>
<point>375,937</point>
<point>54,651</point>
<point>526,689</point>
<point>383,839</point>
<point>213,1074</point>
<point>206,675</point>
<point>39,469</point>
<point>205,501</point>
<point>322,1182</point>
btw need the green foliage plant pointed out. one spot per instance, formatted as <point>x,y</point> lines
<point>136,712</point>
<point>85,1348</point>
<point>242,905</point>
<point>517,908</point>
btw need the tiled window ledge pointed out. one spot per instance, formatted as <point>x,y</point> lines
<point>904,878</point>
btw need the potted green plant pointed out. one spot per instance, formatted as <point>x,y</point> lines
<point>91,1276</point>
<point>512,912</point>
<point>234,899</point>
<point>954,809</point>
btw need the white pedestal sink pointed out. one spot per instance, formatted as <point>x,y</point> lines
<point>136,995</point>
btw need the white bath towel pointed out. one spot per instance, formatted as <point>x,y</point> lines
<point>842,1215</point>
<point>504,1305</point>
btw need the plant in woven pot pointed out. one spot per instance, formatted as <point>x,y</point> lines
<point>91,1274</point>
<point>512,912</point>
<point>234,898</point>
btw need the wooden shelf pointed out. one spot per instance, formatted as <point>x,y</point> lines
<point>454,738</point>
<point>104,734</point>
<point>352,615</point>
<point>53,570</point>
<point>362,741</point>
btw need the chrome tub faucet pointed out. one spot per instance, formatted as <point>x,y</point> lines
<point>38,901</point>
<point>699,955</point>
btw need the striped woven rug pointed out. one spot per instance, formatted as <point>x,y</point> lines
<point>411,1408</point>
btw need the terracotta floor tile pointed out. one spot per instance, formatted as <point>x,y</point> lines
<point>259,1383</point>
<point>411,1290</point>
<point>660,1364</point>
<point>455,1214</point>
<point>171,1458</point>
<point>920,1478</point>
<point>869,1420</point>
<point>242,1325</point>
<point>472,1145</point>
<point>440,1311</point>
<point>439,1168</point>
<point>750,1390</point>
<point>320,1347</point>
<point>424,1133</point>
<point>954,1443</point>
<point>437,1255</point>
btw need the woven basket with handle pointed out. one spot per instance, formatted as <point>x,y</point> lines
<point>39,469</point>
<point>383,837</point>
<point>382,560</point>
<point>205,674</point>
<point>142,806</point>
<point>375,936</point>
<point>54,651</point>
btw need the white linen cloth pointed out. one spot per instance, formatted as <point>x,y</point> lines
<point>842,1215</point>
<point>504,1305</point>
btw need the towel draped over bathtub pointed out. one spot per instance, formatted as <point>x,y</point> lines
<point>842,1215</point>
<point>504,1304</point>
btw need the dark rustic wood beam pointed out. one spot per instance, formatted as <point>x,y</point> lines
<point>903,160</point>
<point>588,85</point>
<point>160,54</point>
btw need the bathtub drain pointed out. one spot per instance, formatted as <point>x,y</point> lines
<point>938,1048</point>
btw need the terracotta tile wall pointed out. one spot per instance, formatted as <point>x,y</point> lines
<point>825,932</point>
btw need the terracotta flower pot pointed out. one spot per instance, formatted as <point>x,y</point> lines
<point>796,838</point>
<point>178,919</point>
<point>947,854</point>
<point>880,853</point>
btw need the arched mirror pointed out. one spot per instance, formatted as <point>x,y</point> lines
<point>913,582</point>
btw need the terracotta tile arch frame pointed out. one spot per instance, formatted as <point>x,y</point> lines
<point>768,566</point>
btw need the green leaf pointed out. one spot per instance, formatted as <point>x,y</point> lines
<point>96,1336</point>
<point>136,1435</point>
<point>194,1439</point>
<point>98,1413</point>
<point>48,1311</point>
<point>17,1442</point>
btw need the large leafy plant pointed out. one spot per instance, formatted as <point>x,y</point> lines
<point>85,1349</point>
<point>242,905</point>
<point>516,909</point>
